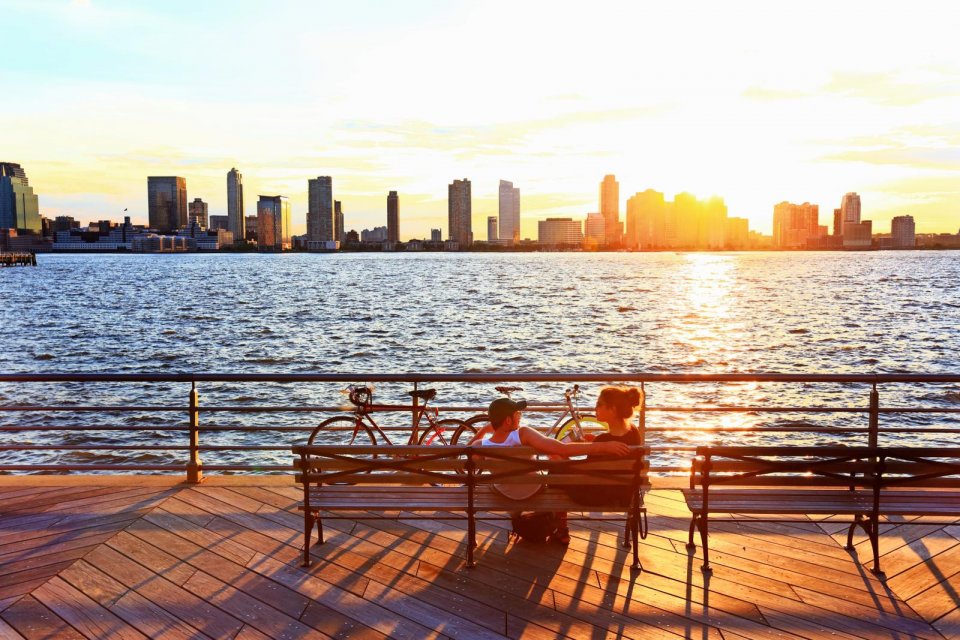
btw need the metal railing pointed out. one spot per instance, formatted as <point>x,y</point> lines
<point>19,434</point>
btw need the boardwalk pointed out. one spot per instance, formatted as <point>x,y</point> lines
<point>149,558</point>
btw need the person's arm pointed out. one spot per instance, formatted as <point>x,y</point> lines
<point>480,434</point>
<point>533,438</point>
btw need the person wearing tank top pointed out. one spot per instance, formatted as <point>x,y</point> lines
<point>504,430</point>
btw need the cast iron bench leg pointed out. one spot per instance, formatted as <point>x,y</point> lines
<point>307,530</point>
<point>691,545</point>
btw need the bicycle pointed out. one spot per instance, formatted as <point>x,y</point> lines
<point>574,425</point>
<point>363,426</point>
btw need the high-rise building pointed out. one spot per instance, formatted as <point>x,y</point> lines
<point>436,235</point>
<point>646,220</point>
<point>250,228</point>
<point>795,224</point>
<point>595,230</point>
<point>492,229</point>
<point>321,224</point>
<point>338,221</point>
<point>610,209</point>
<point>198,213</point>
<point>509,213</point>
<point>838,222</point>
<point>19,205</point>
<point>858,235</point>
<point>460,212</point>
<point>554,232</point>
<point>393,217</point>
<point>903,232</point>
<point>222,222</point>
<point>273,223</point>
<point>167,203</point>
<point>850,208</point>
<point>236,221</point>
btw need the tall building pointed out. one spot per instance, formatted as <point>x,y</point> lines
<point>554,232</point>
<point>436,235</point>
<point>838,222</point>
<point>250,228</point>
<point>509,213</point>
<point>167,203</point>
<point>492,229</point>
<point>19,205</point>
<point>273,223</point>
<point>460,212</point>
<point>338,221</point>
<point>595,230</point>
<point>903,232</point>
<point>850,208</point>
<point>647,213</point>
<point>610,209</point>
<point>795,224</point>
<point>198,213</point>
<point>236,221</point>
<point>393,217</point>
<point>222,222</point>
<point>321,222</point>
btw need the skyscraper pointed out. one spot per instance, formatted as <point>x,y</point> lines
<point>236,221</point>
<point>198,213</point>
<point>321,224</point>
<point>273,223</point>
<point>647,213</point>
<point>903,232</point>
<point>509,213</point>
<point>492,229</point>
<point>19,205</point>
<point>338,221</point>
<point>460,212</point>
<point>393,217</point>
<point>850,207</point>
<point>610,209</point>
<point>167,202</point>
<point>795,224</point>
<point>594,230</point>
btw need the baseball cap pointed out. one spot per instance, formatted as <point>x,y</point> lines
<point>503,407</point>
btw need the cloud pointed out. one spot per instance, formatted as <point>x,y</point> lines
<point>914,157</point>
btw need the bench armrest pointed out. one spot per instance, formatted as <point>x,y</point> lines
<point>696,465</point>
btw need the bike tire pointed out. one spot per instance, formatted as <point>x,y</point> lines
<point>322,434</point>
<point>440,433</point>
<point>465,433</point>
<point>588,422</point>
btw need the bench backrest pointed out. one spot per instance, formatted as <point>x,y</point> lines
<point>852,467</point>
<point>416,465</point>
<point>829,467</point>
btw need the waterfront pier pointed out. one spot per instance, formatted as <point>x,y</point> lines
<point>18,259</point>
<point>186,550</point>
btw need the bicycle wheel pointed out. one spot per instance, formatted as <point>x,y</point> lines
<point>588,422</point>
<point>441,432</point>
<point>341,430</point>
<point>465,433</point>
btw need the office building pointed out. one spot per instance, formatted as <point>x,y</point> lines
<point>610,209</point>
<point>509,213</point>
<point>838,222</point>
<point>850,208</point>
<point>377,234</point>
<point>222,222</point>
<point>492,229</point>
<point>594,230</point>
<point>273,223</point>
<point>321,223</point>
<point>858,235</point>
<point>197,213</point>
<point>738,234</point>
<point>338,220</point>
<point>647,213</point>
<point>236,221</point>
<point>436,235</point>
<point>393,217</point>
<point>903,233</point>
<point>167,203</point>
<point>460,213</point>
<point>250,227</point>
<point>794,225</point>
<point>19,205</point>
<point>556,232</point>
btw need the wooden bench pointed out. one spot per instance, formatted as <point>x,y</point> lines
<point>862,482</point>
<point>457,483</point>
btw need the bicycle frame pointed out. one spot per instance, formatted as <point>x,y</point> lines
<point>363,413</point>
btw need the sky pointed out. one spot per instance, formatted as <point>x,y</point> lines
<point>755,102</point>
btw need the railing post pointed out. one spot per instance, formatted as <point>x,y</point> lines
<point>874,416</point>
<point>643,415</point>
<point>416,410</point>
<point>194,467</point>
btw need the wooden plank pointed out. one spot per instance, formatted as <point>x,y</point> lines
<point>152,619</point>
<point>177,601</point>
<point>34,621</point>
<point>85,615</point>
<point>158,562</point>
<point>896,623</point>
<point>939,599</point>
<point>94,583</point>
<point>8,632</point>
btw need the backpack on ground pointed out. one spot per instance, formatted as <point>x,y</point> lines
<point>534,526</point>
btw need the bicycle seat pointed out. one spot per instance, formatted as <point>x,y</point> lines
<point>423,394</point>
<point>508,390</point>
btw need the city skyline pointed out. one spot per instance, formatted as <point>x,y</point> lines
<point>738,114</point>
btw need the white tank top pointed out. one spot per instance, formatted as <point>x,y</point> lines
<point>512,440</point>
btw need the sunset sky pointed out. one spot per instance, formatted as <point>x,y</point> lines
<point>756,102</point>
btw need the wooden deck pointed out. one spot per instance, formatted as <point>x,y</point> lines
<point>132,558</point>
